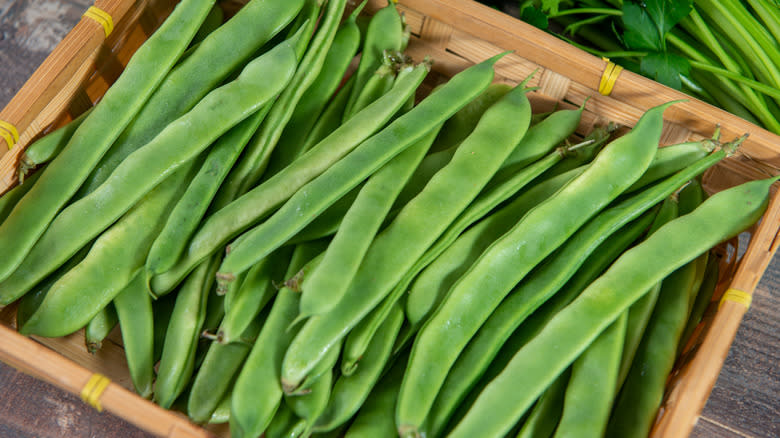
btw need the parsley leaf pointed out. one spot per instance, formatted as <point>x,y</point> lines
<point>665,68</point>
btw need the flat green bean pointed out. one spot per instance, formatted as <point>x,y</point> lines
<point>546,413</point>
<point>134,309</point>
<point>99,327</point>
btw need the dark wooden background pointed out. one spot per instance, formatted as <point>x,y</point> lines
<point>744,403</point>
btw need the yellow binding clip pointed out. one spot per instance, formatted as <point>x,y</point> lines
<point>736,296</point>
<point>609,77</point>
<point>9,133</point>
<point>94,388</point>
<point>102,17</point>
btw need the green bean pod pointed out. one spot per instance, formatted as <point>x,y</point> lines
<point>329,221</point>
<point>343,49</point>
<point>346,174</point>
<point>257,289</point>
<point>110,265</point>
<point>408,235</point>
<point>474,297</point>
<point>523,300</point>
<point>385,32</point>
<point>147,167</point>
<point>546,413</point>
<point>349,392</point>
<point>215,376</point>
<point>220,227</point>
<point>184,330</point>
<point>639,312</point>
<point>328,283</point>
<point>591,387</point>
<point>134,309</point>
<point>48,147</point>
<point>643,389</point>
<point>690,197</point>
<point>63,176</point>
<point>190,209</point>
<point>99,327</point>
<point>678,242</point>
<point>204,69</point>
<point>257,392</point>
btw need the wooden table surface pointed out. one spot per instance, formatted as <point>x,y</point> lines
<point>744,403</point>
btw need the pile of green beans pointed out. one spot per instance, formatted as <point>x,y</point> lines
<point>298,244</point>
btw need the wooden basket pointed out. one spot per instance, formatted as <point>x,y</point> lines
<point>456,34</point>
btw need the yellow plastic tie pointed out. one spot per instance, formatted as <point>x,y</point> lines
<point>102,17</point>
<point>736,296</point>
<point>94,389</point>
<point>609,77</point>
<point>9,133</point>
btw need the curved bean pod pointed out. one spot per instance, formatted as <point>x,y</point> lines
<point>190,209</point>
<point>214,378</point>
<point>330,118</point>
<point>257,392</point>
<point>460,125</point>
<point>330,280</point>
<point>637,404</point>
<point>181,338</point>
<point>311,404</point>
<point>224,107</point>
<point>109,266</point>
<point>220,227</point>
<point>134,309</point>
<point>99,327</point>
<point>63,176</point>
<point>723,215</point>
<point>257,289</point>
<point>474,297</point>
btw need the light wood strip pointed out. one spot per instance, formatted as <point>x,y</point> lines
<point>436,33</point>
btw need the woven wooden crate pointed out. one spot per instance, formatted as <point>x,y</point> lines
<point>456,34</point>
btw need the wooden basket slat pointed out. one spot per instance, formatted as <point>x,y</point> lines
<point>456,33</point>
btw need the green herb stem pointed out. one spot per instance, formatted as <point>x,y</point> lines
<point>769,15</point>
